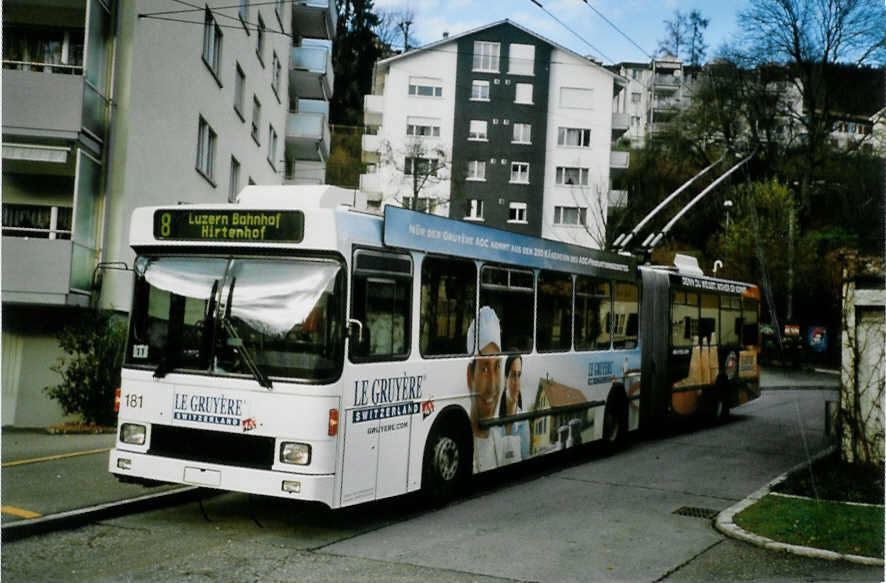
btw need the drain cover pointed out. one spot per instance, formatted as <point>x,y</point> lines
<point>695,512</point>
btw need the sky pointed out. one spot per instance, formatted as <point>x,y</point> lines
<point>641,20</point>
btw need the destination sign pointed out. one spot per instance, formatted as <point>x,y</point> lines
<point>229,225</point>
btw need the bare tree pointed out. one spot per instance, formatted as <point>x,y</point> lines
<point>416,166</point>
<point>807,36</point>
<point>675,35</point>
<point>695,27</point>
<point>393,29</point>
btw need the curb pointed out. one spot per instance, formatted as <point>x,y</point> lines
<point>725,524</point>
<point>81,516</point>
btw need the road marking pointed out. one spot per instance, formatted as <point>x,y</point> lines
<point>49,458</point>
<point>19,512</point>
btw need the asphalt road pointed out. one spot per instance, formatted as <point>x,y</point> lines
<point>578,518</point>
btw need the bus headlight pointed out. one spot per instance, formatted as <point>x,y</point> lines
<point>295,453</point>
<point>133,433</point>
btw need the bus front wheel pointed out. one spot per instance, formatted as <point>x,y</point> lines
<point>444,469</point>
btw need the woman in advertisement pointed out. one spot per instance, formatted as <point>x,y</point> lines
<point>516,434</point>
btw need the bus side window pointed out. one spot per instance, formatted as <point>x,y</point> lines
<point>381,302</point>
<point>510,292</point>
<point>750,309</point>
<point>627,307</point>
<point>684,317</point>
<point>730,321</point>
<point>554,308</point>
<point>707,327</point>
<point>448,305</point>
<point>593,307</point>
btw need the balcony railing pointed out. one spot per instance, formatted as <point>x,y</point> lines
<point>307,131</point>
<point>373,110</point>
<point>371,145</point>
<point>310,72</point>
<point>315,18</point>
<point>619,160</point>
<point>370,183</point>
<point>41,104</point>
<point>620,122</point>
<point>618,198</point>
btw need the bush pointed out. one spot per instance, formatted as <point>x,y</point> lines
<point>90,368</point>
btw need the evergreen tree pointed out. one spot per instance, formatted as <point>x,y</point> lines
<point>355,52</point>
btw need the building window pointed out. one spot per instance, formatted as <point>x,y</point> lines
<point>476,170</point>
<point>425,87</point>
<point>244,14</point>
<point>570,215</point>
<point>523,93</point>
<point>205,150</point>
<point>635,97</point>
<point>234,187</point>
<point>635,74</point>
<point>421,126</point>
<point>517,212</point>
<point>47,50</point>
<point>420,166</point>
<point>239,90</point>
<point>272,147</point>
<point>486,56</point>
<point>474,209</point>
<point>256,118</point>
<point>212,39</point>
<point>580,137</point>
<point>576,97</point>
<point>569,176</point>
<point>477,130</point>
<point>635,121</point>
<point>479,90</point>
<point>276,70</point>
<point>423,204</point>
<point>37,221</point>
<point>522,133</point>
<point>260,41</point>
<point>520,172</point>
<point>521,60</point>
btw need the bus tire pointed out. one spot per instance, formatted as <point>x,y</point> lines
<point>615,421</point>
<point>446,463</point>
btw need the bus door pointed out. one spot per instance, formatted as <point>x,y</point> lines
<point>378,411</point>
<point>655,395</point>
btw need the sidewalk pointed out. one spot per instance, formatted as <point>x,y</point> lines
<point>50,482</point>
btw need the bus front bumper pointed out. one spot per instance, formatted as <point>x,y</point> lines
<point>308,487</point>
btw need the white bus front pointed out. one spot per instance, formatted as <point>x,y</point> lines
<point>230,370</point>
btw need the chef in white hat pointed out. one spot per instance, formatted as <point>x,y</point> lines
<point>484,382</point>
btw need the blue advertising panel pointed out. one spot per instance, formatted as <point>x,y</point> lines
<point>434,234</point>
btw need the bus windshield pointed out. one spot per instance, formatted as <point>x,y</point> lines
<point>238,316</point>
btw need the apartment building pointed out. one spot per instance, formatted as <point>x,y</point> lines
<point>657,91</point>
<point>109,105</point>
<point>499,126</point>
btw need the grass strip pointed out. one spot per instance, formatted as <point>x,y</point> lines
<point>822,524</point>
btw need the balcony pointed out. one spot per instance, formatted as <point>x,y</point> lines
<point>38,271</point>
<point>619,160</point>
<point>371,185</point>
<point>373,110</point>
<point>306,172</point>
<point>666,82</point>
<point>621,122</point>
<point>310,72</point>
<point>314,18</point>
<point>371,148</point>
<point>307,131</point>
<point>42,105</point>
<point>618,199</point>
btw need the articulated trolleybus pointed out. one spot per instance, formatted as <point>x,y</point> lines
<point>286,347</point>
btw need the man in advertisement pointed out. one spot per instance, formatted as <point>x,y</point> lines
<point>484,383</point>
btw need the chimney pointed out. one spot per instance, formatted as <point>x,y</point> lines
<point>445,35</point>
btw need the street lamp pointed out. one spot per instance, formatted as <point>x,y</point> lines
<point>727,204</point>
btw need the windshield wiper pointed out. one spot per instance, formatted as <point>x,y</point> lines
<point>238,344</point>
<point>173,347</point>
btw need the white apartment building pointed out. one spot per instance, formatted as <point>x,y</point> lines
<point>518,128</point>
<point>109,105</point>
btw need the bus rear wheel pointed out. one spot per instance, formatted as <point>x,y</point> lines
<point>444,468</point>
